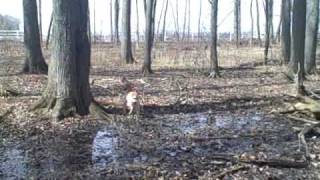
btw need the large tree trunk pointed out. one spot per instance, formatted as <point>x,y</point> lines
<point>286,31</point>
<point>116,20</point>
<point>296,64</point>
<point>126,46</point>
<point>311,35</point>
<point>268,10</point>
<point>146,68</point>
<point>34,62</point>
<point>213,46</point>
<point>111,22</point>
<point>162,36</point>
<point>237,22</point>
<point>68,89</point>
<point>258,23</point>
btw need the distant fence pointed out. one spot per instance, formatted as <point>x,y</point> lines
<point>15,35</point>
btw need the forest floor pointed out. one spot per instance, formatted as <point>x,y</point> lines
<point>192,126</point>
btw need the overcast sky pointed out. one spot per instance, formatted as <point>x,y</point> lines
<point>225,15</point>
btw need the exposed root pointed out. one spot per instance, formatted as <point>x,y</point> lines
<point>302,140</point>
<point>214,74</point>
<point>6,92</point>
<point>99,110</point>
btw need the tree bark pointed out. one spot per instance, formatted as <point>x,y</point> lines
<point>40,19</point>
<point>237,22</point>
<point>214,36</point>
<point>296,65</point>
<point>258,23</point>
<point>34,62</point>
<point>268,10</point>
<point>146,68</point>
<point>68,89</point>
<point>126,45</point>
<point>271,19</point>
<point>286,31</point>
<point>116,21</point>
<point>311,35</point>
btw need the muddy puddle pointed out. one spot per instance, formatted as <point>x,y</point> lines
<point>170,143</point>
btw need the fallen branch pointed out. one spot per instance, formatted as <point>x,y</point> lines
<point>277,163</point>
<point>302,119</point>
<point>231,171</point>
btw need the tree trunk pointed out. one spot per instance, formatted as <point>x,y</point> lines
<point>94,20</point>
<point>126,50</point>
<point>116,20</point>
<point>34,62</point>
<point>49,32</point>
<point>40,19</point>
<point>177,21</point>
<point>162,36</point>
<point>252,23</point>
<point>286,31</point>
<point>146,68</point>
<point>137,12</point>
<point>296,65</point>
<point>68,89</point>
<point>277,38</point>
<point>258,23</point>
<point>189,19</point>
<point>213,47</point>
<point>153,20</point>
<point>160,18</point>
<point>184,21</point>
<point>311,35</point>
<point>199,21</point>
<point>237,22</point>
<point>111,23</point>
<point>268,9</point>
<point>271,19</point>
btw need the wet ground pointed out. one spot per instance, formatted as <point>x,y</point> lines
<point>192,127</point>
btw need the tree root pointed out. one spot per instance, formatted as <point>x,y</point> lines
<point>214,74</point>
<point>4,92</point>
<point>302,140</point>
<point>99,110</point>
<point>278,163</point>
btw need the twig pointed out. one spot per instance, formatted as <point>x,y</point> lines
<point>277,163</point>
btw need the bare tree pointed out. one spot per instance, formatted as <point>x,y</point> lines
<point>258,23</point>
<point>68,89</point>
<point>160,18</point>
<point>237,22</point>
<point>311,35</point>
<point>252,23</point>
<point>213,42</point>
<point>271,19</point>
<point>116,20</point>
<point>34,62</point>
<point>189,19</point>
<point>164,22</point>
<point>286,31</point>
<point>126,45</point>
<point>184,21</point>
<point>199,21</point>
<point>94,20</point>
<point>111,22</point>
<point>137,13</point>
<point>49,32</point>
<point>268,10</point>
<point>150,8</point>
<point>296,64</point>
